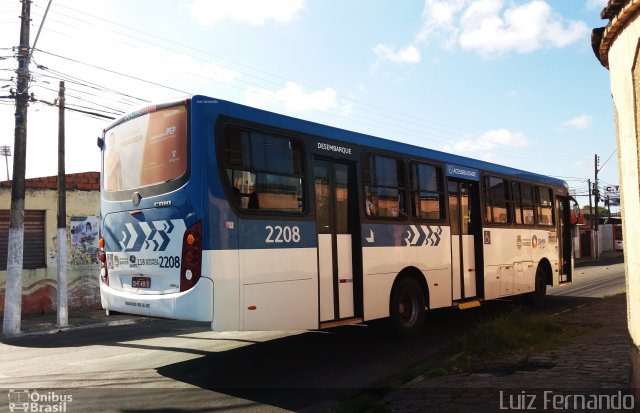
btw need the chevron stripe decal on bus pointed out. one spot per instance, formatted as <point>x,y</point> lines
<point>146,236</point>
<point>423,235</point>
<point>386,235</point>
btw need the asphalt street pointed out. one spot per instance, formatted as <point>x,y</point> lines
<point>183,366</point>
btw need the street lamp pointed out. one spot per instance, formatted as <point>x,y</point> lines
<point>5,150</point>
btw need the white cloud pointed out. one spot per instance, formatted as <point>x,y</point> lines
<point>496,27</point>
<point>408,54</point>
<point>293,98</point>
<point>579,122</point>
<point>481,146</point>
<point>439,15</point>
<point>254,12</point>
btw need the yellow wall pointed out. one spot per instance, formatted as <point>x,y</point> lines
<point>82,268</point>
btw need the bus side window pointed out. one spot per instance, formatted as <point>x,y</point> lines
<point>254,202</point>
<point>496,200</point>
<point>544,205</point>
<point>522,203</point>
<point>384,187</point>
<point>427,194</point>
<point>266,169</point>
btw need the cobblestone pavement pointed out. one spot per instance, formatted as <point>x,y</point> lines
<point>562,379</point>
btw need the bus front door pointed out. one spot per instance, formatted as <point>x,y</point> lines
<point>565,240</point>
<point>336,209</point>
<point>464,217</point>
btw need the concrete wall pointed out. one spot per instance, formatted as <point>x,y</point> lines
<point>39,285</point>
<point>618,47</point>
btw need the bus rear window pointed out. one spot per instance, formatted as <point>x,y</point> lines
<point>146,150</point>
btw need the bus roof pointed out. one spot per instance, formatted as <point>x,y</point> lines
<point>359,139</point>
<point>247,113</point>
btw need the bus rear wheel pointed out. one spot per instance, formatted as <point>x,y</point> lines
<point>537,296</point>
<point>407,310</point>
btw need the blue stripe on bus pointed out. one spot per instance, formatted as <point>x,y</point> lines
<point>390,235</point>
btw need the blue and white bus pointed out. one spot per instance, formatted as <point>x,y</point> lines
<point>251,220</point>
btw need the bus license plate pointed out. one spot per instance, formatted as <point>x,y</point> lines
<point>141,282</point>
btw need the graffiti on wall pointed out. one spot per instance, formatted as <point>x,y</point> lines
<point>83,232</point>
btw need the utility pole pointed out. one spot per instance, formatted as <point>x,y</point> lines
<point>596,195</point>
<point>590,190</point>
<point>13,290</point>
<point>5,150</point>
<point>61,296</point>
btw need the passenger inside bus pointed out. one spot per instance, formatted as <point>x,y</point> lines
<point>253,201</point>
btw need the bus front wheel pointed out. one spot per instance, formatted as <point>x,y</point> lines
<point>407,310</point>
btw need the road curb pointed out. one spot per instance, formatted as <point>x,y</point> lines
<point>55,330</point>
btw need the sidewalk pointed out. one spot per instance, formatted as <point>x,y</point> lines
<point>605,258</point>
<point>597,362</point>
<point>78,319</point>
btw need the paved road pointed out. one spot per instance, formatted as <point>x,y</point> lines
<point>165,364</point>
<point>595,280</point>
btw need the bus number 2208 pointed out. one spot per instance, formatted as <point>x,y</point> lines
<point>280,234</point>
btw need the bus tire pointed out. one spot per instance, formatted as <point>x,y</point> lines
<point>407,308</point>
<point>537,296</point>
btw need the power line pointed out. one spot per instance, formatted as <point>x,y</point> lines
<point>95,114</point>
<point>605,162</point>
<point>88,84</point>
<point>398,125</point>
<point>384,111</point>
<point>116,73</point>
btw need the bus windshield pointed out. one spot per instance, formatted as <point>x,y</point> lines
<point>146,150</point>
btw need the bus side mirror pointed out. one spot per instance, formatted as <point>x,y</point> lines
<point>100,143</point>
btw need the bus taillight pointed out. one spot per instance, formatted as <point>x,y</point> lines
<point>104,272</point>
<point>191,257</point>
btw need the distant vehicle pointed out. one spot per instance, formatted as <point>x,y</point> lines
<point>617,237</point>
<point>219,212</point>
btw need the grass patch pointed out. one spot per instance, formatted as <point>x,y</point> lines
<point>509,332</point>
<point>506,333</point>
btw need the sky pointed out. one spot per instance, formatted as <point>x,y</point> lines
<point>513,82</point>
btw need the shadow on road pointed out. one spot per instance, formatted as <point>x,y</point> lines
<point>306,370</point>
<point>148,328</point>
<point>295,372</point>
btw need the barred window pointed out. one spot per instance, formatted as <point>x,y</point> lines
<point>34,239</point>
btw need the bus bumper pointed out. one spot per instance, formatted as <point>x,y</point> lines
<point>196,304</point>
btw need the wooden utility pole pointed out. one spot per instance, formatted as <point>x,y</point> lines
<point>13,290</point>
<point>61,296</point>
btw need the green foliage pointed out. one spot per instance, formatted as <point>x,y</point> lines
<point>506,333</point>
<point>510,331</point>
